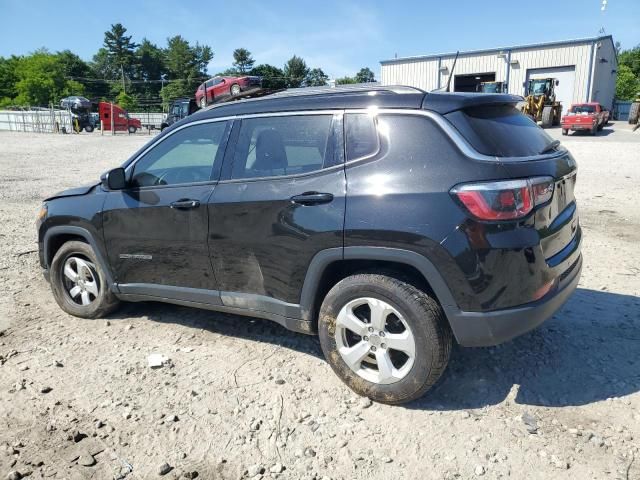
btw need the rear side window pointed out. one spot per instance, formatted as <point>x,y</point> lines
<point>500,131</point>
<point>275,146</point>
<point>361,135</point>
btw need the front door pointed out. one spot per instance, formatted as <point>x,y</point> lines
<point>281,201</point>
<point>156,229</point>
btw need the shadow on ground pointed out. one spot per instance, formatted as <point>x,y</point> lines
<point>588,352</point>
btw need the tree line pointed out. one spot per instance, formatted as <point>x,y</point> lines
<point>139,76</point>
<point>628,79</point>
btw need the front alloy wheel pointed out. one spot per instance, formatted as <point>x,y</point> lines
<point>79,283</point>
<point>80,280</point>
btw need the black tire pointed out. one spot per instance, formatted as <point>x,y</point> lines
<point>424,318</point>
<point>547,116</point>
<point>132,129</point>
<point>104,303</point>
<point>594,130</point>
<point>235,90</point>
<point>88,128</point>
<point>565,131</point>
<point>557,116</point>
<point>203,102</point>
<point>634,113</point>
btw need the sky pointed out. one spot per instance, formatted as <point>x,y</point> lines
<point>338,36</point>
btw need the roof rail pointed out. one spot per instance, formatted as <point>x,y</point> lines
<point>342,89</point>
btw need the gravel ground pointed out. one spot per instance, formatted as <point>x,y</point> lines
<point>244,398</point>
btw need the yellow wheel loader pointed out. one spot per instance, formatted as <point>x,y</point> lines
<point>541,104</point>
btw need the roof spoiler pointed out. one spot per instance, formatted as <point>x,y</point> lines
<point>444,103</point>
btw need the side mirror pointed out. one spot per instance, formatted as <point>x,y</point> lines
<point>557,82</point>
<point>114,179</point>
<point>223,81</point>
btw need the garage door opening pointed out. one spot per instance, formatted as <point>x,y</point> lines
<point>471,83</point>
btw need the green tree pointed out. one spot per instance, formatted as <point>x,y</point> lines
<point>631,58</point>
<point>316,78</point>
<point>345,81</point>
<point>627,84</point>
<point>8,79</point>
<point>120,49</point>
<point>126,101</point>
<point>187,64</point>
<point>242,60</point>
<point>175,89</point>
<point>365,75</point>
<point>149,71</point>
<point>296,71</point>
<point>41,80</point>
<point>272,77</point>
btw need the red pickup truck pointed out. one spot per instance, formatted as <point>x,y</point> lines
<point>585,116</point>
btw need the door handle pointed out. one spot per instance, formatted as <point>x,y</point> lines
<point>312,198</point>
<point>185,204</point>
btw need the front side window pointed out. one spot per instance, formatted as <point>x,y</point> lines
<point>361,135</point>
<point>187,156</point>
<point>275,146</point>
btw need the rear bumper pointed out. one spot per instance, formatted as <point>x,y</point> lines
<point>483,329</point>
<point>576,126</point>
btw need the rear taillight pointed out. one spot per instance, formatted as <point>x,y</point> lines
<point>504,200</point>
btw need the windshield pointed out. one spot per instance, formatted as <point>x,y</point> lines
<point>537,87</point>
<point>490,87</point>
<point>583,109</point>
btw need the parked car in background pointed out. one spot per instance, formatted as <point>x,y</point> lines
<point>80,108</point>
<point>178,109</point>
<point>121,120</point>
<point>387,220</point>
<point>585,116</point>
<point>221,88</point>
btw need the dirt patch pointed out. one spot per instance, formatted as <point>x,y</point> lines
<point>244,398</point>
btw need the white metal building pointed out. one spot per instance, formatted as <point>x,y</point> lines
<point>585,69</point>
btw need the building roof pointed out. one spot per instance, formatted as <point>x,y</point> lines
<point>491,50</point>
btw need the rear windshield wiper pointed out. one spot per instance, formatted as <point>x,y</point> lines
<point>550,147</point>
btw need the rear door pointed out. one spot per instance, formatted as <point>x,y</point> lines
<point>281,200</point>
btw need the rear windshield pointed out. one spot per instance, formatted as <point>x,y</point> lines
<point>500,131</point>
<point>582,109</point>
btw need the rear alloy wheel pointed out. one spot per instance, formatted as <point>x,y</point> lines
<point>384,338</point>
<point>132,129</point>
<point>235,90</point>
<point>88,128</point>
<point>79,284</point>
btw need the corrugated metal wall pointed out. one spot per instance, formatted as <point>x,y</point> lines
<point>423,72</point>
<point>605,73</point>
<point>578,55</point>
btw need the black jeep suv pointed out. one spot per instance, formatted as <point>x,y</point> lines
<point>387,220</point>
